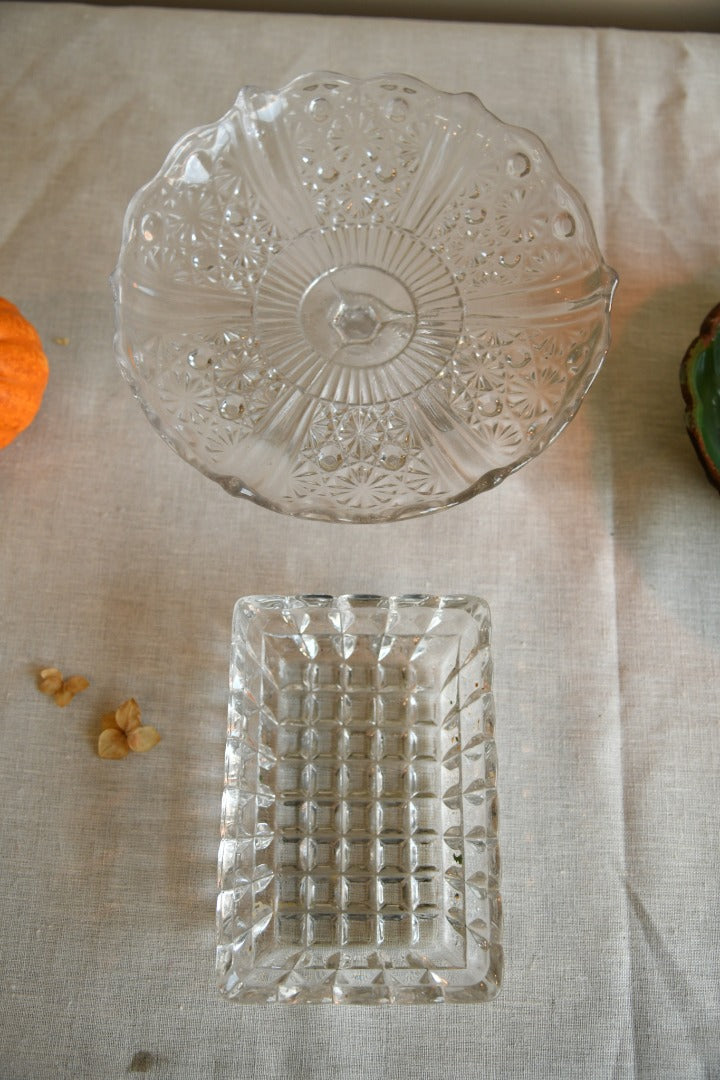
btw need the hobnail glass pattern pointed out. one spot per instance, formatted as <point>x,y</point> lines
<point>359,300</point>
<point>358,861</point>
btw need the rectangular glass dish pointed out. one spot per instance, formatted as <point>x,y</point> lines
<point>359,856</point>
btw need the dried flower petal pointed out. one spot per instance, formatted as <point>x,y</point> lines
<point>108,722</point>
<point>143,738</point>
<point>127,716</point>
<point>112,744</point>
<point>76,684</point>
<point>50,680</point>
<point>63,697</point>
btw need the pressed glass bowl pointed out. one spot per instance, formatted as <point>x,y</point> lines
<point>700,384</point>
<point>359,860</point>
<point>359,300</point>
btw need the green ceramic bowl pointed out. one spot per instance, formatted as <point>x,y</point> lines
<point>700,383</point>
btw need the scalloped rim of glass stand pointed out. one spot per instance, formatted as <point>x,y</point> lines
<point>234,485</point>
<point>464,757</point>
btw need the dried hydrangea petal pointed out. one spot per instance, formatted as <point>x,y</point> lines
<point>127,716</point>
<point>108,722</point>
<point>112,744</point>
<point>143,738</point>
<point>45,672</point>
<point>63,697</point>
<point>50,680</point>
<point>76,684</point>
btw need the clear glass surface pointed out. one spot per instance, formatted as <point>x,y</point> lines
<point>359,855</point>
<point>359,300</point>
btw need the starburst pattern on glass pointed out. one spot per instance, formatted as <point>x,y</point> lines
<point>359,861</point>
<point>343,247</point>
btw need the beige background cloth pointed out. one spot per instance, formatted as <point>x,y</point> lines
<point>599,560</point>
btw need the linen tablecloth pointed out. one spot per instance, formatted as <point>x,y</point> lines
<point>119,562</point>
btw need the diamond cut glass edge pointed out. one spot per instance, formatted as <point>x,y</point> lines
<point>245,974</point>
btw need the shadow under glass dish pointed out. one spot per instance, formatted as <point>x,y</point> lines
<point>359,300</point>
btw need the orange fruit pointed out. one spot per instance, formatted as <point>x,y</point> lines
<point>23,372</point>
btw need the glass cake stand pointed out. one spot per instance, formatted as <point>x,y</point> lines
<point>359,301</point>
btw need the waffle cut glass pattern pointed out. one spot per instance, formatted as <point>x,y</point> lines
<point>359,856</point>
